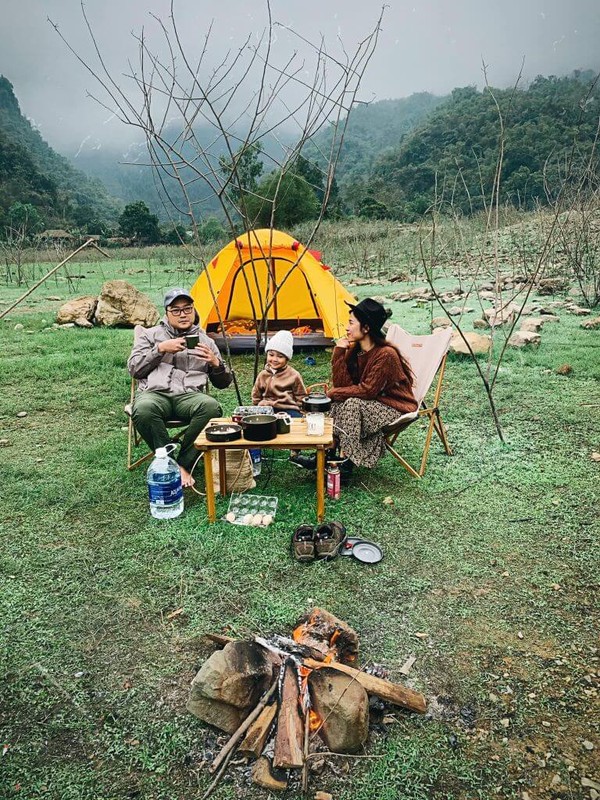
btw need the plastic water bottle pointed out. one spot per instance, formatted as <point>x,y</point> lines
<point>255,458</point>
<point>164,485</point>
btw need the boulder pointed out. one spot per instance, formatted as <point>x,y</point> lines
<point>579,311</point>
<point>440,322</point>
<point>480,343</point>
<point>238,674</point>
<point>590,324</point>
<point>79,311</point>
<point>532,324</point>
<point>121,304</point>
<point>523,338</point>
<point>343,704</point>
<point>500,316</point>
<point>480,324</point>
<point>223,716</point>
<point>552,285</point>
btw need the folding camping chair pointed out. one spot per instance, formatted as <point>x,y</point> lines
<point>427,358</point>
<point>133,437</point>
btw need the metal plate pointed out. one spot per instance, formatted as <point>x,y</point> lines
<point>367,552</point>
<point>348,546</point>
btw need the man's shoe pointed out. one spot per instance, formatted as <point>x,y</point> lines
<point>306,462</point>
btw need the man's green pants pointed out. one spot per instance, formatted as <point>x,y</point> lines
<point>151,410</point>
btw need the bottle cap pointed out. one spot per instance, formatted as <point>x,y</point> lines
<point>161,452</point>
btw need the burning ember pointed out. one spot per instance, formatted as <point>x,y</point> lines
<point>282,699</point>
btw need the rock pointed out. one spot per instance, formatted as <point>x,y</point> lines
<point>480,324</point>
<point>564,369</point>
<point>264,775</point>
<point>67,325</point>
<point>455,311</point>
<point>323,796</point>
<point>400,297</point>
<point>21,414</point>
<point>590,324</point>
<point>222,715</point>
<point>532,324</point>
<point>120,303</point>
<point>578,311</point>
<point>487,295</point>
<point>381,299</point>
<point>4,443</point>
<point>547,317</point>
<point>500,316</point>
<point>238,674</point>
<point>480,343</point>
<point>587,744</point>
<point>440,322</point>
<point>590,784</point>
<point>79,311</point>
<point>53,297</point>
<point>552,285</point>
<point>524,338</point>
<point>344,705</point>
<point>19,327</point>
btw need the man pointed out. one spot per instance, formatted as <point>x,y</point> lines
<point>172,379</point>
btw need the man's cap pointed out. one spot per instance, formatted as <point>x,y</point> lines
<point>370,312</point>
<point>175,294</point>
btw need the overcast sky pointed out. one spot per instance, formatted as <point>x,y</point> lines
<point>425,45</point>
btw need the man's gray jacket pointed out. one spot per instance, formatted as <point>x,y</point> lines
<point>175,373</point>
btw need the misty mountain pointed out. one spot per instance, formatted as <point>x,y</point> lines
<point>32,172</point>
<point>372,130</point>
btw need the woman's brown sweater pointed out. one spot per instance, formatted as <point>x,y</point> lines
<point>381,377</point>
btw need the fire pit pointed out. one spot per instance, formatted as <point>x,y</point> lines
<point>282,699</point>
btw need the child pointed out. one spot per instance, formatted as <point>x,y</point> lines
<point>279,385</point>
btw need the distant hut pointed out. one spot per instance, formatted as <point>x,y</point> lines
<point>55,236</point>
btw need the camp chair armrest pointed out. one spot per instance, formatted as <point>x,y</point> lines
<point>400,423</point>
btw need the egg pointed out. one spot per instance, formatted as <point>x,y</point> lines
<point>230,517</point>
<point>257,519</point>
<point>248,519</point>
<point>267,519</point>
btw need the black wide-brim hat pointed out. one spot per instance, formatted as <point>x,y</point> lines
<point>370,312</point>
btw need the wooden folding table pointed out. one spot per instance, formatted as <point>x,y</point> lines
<point>296,439</point>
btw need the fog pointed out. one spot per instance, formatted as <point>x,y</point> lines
<point>431,45</point>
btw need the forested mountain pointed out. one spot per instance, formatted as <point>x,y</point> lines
<point>31,172</point>
<point>454,153</point>
<point>372,129</point>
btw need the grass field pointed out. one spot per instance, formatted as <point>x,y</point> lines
<point>493,555</point>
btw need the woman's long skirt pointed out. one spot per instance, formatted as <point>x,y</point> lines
<point>358,426</point>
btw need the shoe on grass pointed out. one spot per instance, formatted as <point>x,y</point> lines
<point>303,543</point>
<point>329,538</point>
<point>304,461</point>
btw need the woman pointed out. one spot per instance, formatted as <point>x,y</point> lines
<point>372,386</point>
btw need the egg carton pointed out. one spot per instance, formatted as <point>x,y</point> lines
<point>250,509</point>
<point>243,411</point>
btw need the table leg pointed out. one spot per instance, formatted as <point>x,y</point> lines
<point>320,484</point>
<point>223,471</point>
<point>209,488</point>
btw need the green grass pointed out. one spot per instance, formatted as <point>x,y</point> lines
<point>494,555</point>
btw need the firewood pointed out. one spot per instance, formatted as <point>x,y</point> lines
<point>391,692</point>
<point>290,730</point>
<point>219,639</point>
<point>256,735</point>
<point>327,634</point>
<point>263,776</point>
<point>235,737</point>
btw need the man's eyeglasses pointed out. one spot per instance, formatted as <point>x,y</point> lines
<point>177,312</point>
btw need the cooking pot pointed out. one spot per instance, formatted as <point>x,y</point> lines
<point>259,427</point>
<point>315,403</point>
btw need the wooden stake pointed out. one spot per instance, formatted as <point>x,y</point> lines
<point>46,276</point>
<point>391,692</point>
